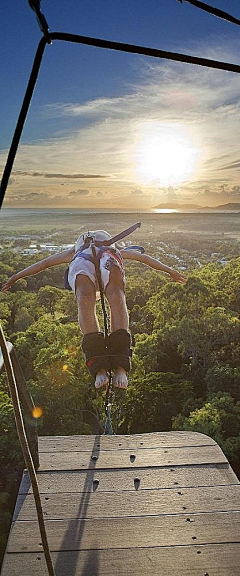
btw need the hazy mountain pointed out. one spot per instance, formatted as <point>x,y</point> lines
<point>175,206</point>
<point>229,206</point>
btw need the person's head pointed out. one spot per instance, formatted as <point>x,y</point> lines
<point>97,234</point>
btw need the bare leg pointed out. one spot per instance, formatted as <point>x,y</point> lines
<point>119,317</point>
<point>88,322</point>
<point>117,301</point>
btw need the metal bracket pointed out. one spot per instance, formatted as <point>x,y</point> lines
<point>35,5</point>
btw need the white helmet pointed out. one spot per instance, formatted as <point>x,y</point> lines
<point>97,235</point>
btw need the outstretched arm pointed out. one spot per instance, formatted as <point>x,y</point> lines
<point>61,258</point>
<point>153,263</point>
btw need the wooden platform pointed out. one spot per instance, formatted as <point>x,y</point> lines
<point>162,504</point>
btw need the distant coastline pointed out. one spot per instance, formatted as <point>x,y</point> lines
<point>168,208</point>
<point>235,206</point>
<point>5,211</point>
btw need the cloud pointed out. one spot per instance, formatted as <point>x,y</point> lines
<point>216,195</point>
<point>35,195</point>
<point>33,199</point>
<point>13,199</point>
<point>136,192</point>
<point>11,181</point>
<point>54,175</point>
<point>77,193</point>
<point>235,191</point>
<point>232,165</point>
<point>96,107</point>
<point>200,104</point>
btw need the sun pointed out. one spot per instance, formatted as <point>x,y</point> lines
<point>165,154</point>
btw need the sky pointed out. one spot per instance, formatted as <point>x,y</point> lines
<point>120,131</point>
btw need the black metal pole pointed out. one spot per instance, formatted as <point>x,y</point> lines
<point>214,11</point>
<point>22,117</point>
<point>145,51</point>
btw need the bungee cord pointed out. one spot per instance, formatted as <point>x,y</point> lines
<point>108,428</point>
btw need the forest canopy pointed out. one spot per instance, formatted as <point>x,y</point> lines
<point>185,366</point>
<point>185,359</point>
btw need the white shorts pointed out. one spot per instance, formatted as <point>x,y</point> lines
<point>82,266</point>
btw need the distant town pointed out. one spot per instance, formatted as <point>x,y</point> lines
<point>182,240</point>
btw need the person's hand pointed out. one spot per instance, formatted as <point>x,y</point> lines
<point>9,283</point>
<point>177,277</point>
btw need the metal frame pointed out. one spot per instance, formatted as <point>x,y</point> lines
<point>49,37</point>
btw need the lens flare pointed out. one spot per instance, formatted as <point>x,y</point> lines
<point>37,412</point>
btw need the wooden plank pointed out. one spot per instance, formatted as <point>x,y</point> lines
<point>121,442</point>
<point>135,529</point>
<point>115,480</point>
<point>175,530</point>
<point>128,458</point>
<point>211,560</point>
<point>146,502</point>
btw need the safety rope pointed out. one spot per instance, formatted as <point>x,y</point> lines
<point>25,449</point>
<point>214,11</point>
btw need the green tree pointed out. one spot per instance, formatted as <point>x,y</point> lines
<point>223,379</point>
<point>152,402</point>
<point>5,313</point>
<point>200,340</point>
<point>16,306</point>
<point>67,305</point>
<point>48,297</point>
<point>54,367</point>
<point>218,418</point>
<point>157,354</point>
<point>10,452</point>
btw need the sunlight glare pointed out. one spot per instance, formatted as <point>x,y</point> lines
<point>165,154</point>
